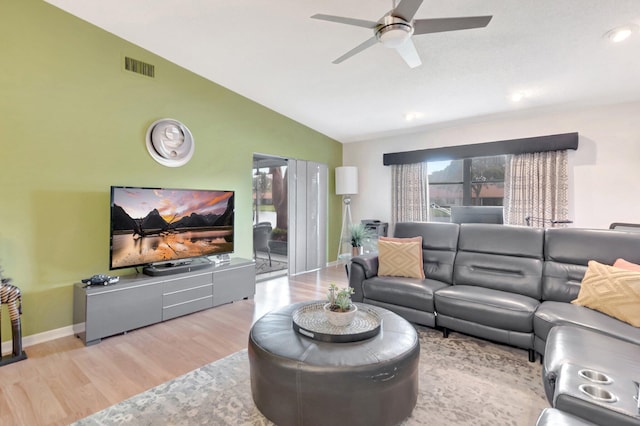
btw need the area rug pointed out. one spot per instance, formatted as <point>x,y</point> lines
<point>263,267</point>
<point>463,381</point>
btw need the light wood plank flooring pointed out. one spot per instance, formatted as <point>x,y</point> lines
<point>63,381</point>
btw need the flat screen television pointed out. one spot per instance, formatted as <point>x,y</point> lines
<point>169,227</point>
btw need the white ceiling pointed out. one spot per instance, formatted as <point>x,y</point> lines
<point>270,51</point>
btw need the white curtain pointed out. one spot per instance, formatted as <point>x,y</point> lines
<point>536,187</point>
<point>410,193</point>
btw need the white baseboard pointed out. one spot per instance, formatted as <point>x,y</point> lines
<point>45,336</point>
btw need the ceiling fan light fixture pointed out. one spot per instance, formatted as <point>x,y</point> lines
<point>393,31</point>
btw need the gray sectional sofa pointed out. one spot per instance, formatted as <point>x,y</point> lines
<point>512,285</point>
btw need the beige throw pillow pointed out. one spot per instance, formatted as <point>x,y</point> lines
<point>402,240</point>
<point>612,291</point>
<point>400,259</point>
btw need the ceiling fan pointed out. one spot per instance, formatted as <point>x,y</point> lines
<point>395,29</point>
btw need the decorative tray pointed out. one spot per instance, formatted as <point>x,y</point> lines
<point>310,321</point>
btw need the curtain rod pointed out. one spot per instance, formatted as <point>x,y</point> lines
<point>512,146</point>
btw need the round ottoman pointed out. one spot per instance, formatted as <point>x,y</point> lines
<point>296,380</point>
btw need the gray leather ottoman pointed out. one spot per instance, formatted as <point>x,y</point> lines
<point>296,380</point>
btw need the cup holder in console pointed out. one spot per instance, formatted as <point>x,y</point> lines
<point>598,393</point>
<point>595,376</point>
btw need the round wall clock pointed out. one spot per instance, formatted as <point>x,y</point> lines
<point>169,142</point>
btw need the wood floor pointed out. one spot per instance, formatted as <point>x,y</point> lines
<point>63,381</point>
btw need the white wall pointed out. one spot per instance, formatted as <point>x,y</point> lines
<point>604,173</point>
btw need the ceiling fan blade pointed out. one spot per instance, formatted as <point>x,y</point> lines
<point>407,9</point>
<point>348,21</point>
<point>357,49</point>
<point>408,52</point>
<point>427,26</point>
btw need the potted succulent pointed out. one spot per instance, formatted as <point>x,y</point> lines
<point>359,233</point>
<point>339,309</point>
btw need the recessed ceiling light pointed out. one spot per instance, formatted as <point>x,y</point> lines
<point>517,97</point>
<point>619,34</point>
<point>410,116</point>
<point>521,95</point>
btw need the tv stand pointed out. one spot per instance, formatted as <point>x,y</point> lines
<point>140,300</point>
<point>177,267</point>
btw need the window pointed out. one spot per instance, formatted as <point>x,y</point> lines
<point>475,181</point>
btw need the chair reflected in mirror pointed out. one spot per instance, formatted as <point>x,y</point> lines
<point>261,237</point>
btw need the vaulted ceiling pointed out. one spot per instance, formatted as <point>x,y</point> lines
<point>533,54</point>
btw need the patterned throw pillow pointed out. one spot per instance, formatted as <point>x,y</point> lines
<point>400,259</point>
<point>402,240</point>
<point>612,291</point>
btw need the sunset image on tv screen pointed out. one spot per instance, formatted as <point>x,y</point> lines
<point>150,225</point>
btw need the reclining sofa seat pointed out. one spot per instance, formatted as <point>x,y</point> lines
<point>568,333</point>
<point>411,298</point>
<point>567,252</point>
<point>497,284</point>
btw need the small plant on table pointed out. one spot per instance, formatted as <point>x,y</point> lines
<point>340,310</point>
<point>339,298</point>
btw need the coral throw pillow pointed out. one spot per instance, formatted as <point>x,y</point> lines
<point>400,259</point>
<point>621,263</point>
<point>612,291</point>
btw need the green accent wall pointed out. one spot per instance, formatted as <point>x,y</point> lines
<point>73,123</point>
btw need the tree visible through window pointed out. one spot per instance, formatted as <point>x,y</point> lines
<point>468,182</point>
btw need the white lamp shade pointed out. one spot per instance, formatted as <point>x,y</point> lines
<point>346,180</point>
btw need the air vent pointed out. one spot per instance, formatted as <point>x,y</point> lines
<point>139,67</point>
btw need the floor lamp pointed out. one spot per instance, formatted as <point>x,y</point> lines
<point>346,185</point>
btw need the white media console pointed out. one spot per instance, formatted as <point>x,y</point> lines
<point>140,300</point>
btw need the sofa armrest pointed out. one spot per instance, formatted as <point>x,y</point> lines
<point>369,263</point>
<point>362,268</point>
